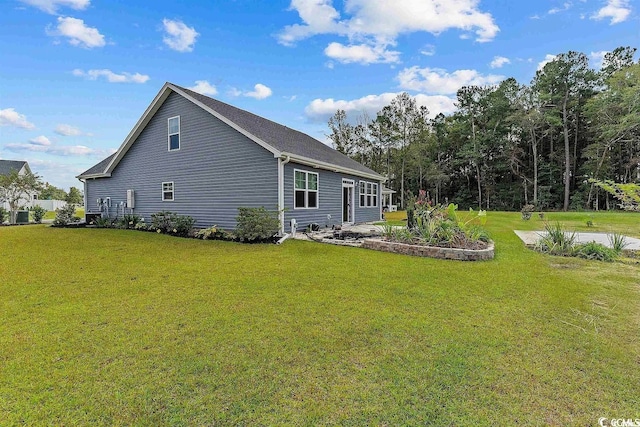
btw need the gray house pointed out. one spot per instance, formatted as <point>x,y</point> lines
<point>197,156</point>
<point>22,167</point>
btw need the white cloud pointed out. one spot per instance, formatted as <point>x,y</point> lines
<point>361,53</point>
<point>260,91</point>
<point>548,58</point>
<point>566,6</point>
<point>204,87</point>
<point>439,81</point>
<point>319,110</point>
<point>234,92</point>
<point>617,10</point>
<point>77,32</point>
<point>51,6</point>
<point>372,26</point>
<point>40,141</point>
<point>10,117</point>
<point>67,130</point>
<point>499,62</point>
<point>380,22</point>
<point>319,17</point>
<point>57,150</point>
<point>597,58</point>
<point>111,76</point>
<point>178,36</point>
<point>428,50</point>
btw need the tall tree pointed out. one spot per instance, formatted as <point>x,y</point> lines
<point>562,86</point>
<point>51,192</point>
<point>615,119</point>
<point>341,132</point>
<point>74,197</point>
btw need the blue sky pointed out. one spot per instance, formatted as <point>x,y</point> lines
<point>75,75</point>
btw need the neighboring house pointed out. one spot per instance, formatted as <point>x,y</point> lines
<point>6,167</point>
<point>197,156</point>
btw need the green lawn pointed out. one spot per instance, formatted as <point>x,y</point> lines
<point>117,327</point>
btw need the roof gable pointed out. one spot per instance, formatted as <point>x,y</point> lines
<point>6,166</point>
<point>274,137</point>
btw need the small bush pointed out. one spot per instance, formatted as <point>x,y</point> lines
<point>65,215</point>
<point>256,224</point>
<point>129,221</point>
<point>595,251</point>
<point>618,242</point>
<point>527,211</point>
<point>4,215</point>
<point>172,223</point>
<point>38,213</point>
<point>104,222</point>
<point>556,241</point>
<point>212,233</point>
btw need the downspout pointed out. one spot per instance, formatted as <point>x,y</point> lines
<point>282,160</point>
<point>84,196</point>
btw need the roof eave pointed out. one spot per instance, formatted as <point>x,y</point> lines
<point>93,175</point>
<point>331,167</point>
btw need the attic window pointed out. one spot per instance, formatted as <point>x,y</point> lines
<point>174,133</point>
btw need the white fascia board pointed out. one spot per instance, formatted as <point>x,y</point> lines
<point>331,167</point>
<point>94,176</point>
<point>260,142</point>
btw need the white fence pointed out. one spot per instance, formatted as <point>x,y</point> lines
<point>50,205</point>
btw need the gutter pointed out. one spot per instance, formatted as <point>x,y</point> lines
<point>331,167</point>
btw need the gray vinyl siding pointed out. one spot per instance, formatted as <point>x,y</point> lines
<point>329,199</point>
<point>215,171</point>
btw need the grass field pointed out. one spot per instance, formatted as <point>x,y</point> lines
<point>117,327</point>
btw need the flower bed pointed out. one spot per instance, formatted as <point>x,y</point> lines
<point>431,251</point>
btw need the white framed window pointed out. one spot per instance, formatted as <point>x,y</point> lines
<point>368,194</point>
<point>173,126</point>
<point>167,191</point>
<point>305,188</point>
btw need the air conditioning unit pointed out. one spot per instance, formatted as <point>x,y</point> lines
<point>131,200</point>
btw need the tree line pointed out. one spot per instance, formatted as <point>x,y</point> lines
<point>511,144</point>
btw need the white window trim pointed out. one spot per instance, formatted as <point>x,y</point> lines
<point>366,195</point>
<point>173,192</point>
<point>169,135</point>
<point>306,191</point>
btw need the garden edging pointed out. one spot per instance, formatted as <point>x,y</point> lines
<point>431,251</point>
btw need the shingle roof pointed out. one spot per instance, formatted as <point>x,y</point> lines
<point>99,168</point>
<point>280,137</point>
<point>6,166</point>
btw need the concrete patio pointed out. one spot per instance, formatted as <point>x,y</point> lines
<point>531,237</point>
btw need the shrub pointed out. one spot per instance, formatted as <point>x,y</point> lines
<point>129,221</point>
<point>4,215</point>
<point>596,251</point>
<point>256,224</point>
<point>556,241</point>
<point>212,233</point>
<point>172,223</point>
<point>38,213</point>
<point>104,222</point>
<point>526,212</point>
<point>618,242</point>
<point>65,215</point>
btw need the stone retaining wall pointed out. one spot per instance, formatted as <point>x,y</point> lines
<point>430,251</point>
